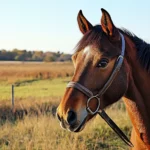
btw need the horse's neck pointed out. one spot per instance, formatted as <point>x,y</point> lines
<point>138,95</point>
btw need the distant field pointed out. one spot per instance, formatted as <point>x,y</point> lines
<point>12,72</point>
<point>36,99</point>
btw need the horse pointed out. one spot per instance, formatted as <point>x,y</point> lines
<point>110,64</point>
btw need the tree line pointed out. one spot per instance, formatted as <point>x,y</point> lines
<point>24,55</point>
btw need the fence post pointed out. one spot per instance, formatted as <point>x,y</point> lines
<point>12,98</point>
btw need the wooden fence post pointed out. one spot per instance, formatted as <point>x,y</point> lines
<point>12,98</point>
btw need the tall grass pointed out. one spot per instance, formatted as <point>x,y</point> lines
<point>33,125</point>
<point>43,132</point>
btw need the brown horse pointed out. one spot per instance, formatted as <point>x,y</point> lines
<point>95,60</point>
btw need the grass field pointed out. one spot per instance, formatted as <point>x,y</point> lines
<point>39,89</point>
<point>16,72</point>
<point>40,130</point>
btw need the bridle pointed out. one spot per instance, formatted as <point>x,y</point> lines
<point>91,96</point>
<point>89,93</point>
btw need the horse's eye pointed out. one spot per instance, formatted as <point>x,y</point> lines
<point>103,63</point>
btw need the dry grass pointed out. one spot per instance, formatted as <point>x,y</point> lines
<point>44,133</point>
<point>12,72</point>
<point>33,127</point>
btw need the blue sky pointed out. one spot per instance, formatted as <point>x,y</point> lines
<point>51,24</point>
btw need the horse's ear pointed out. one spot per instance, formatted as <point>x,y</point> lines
<point>84,24</point>
<point>107,24</point>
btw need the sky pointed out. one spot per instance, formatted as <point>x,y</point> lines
<point>51,25</point>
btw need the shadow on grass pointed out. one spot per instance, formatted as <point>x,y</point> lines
<point>9,115</point>
<point>24,82</point>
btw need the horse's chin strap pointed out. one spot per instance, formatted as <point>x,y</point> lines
<point>91,96</point>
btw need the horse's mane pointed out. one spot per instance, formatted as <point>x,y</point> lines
<point>93,37</point>
<point>143,49</point>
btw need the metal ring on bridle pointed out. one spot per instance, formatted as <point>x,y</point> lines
<point>98,106</point>
<point>120,56</point>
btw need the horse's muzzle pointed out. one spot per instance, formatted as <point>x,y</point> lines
<point>72,122</point>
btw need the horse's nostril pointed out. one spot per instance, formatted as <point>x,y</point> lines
<point>72,117</point>
<point>57,115</point>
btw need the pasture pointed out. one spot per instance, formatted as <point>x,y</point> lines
<point>38,90</point>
